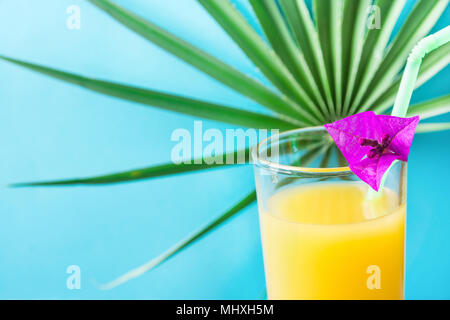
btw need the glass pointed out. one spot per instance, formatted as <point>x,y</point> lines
<point>325,233</point>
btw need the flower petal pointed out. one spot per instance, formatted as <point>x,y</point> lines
<point>401,130</point>
<point>371,170</point>
<point>346,133</point>
<point>366,170</point>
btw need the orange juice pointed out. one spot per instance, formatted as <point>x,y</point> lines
<point>328,241</point>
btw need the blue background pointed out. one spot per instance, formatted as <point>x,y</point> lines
<point>52,130</point>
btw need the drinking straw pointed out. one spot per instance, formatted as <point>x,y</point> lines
<point>425,46</point>
<point>409,78</point>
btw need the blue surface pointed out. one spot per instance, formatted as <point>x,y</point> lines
<point>50,130</point>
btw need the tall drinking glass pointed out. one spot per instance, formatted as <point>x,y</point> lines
<point>325,233</point>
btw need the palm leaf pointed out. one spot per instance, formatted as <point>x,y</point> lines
<point>162,170</point>
<point>430,108</point>
<point>326,157</point>
<point>431,65</point>
<point>313,152</point>
<point>340,157</point>
<point>201,60</point>
<point>143,173</point>
<point>245,202</point>
<point>374,46</point>
<point>246,10</point>
<point>354,26</point>
<point>165,101</point>
<point>305,32</point>
<point>258,51</point>
<point>432,127</point>
<point>328,16</point>
<point>420,21</point>
<point>283,44</point>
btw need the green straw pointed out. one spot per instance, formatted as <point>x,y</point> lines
<point>409,78</point>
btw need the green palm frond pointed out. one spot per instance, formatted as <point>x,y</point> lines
<point>419,22</point>
<point>161,170</point>
<point>431,65</point>
<point>307,39</point>
<point>193,107</point>
<point>328,16</point>
<point>353,32</point>
<point>321,67</point>
<point>183,244</point>
<point>430,108</point>
<point>258,51</point>
<point>310,155</point>
<point>374,46</point>
<point>283,44</point>
<point>433,127</point>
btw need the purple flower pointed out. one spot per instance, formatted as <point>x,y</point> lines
<point>370,142</point>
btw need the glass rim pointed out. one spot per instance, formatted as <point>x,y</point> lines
<point>274,167</point>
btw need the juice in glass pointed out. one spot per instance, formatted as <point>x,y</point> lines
<point>327,241</point>
<point>325,234</point>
